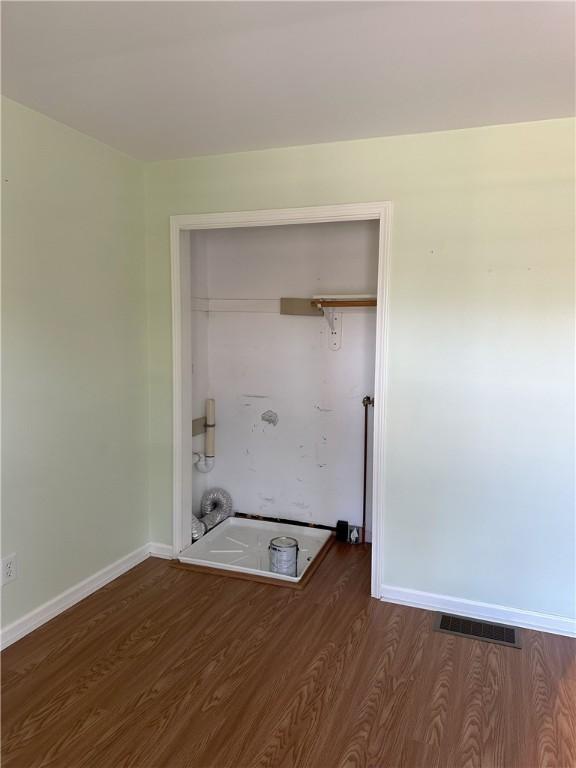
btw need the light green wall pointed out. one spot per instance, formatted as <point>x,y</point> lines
<point>74,357</point>
<point>480,442</point>
<point>480,445</point>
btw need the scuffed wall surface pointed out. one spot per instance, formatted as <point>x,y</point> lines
<point>289,409</point>
<point>290,418</point>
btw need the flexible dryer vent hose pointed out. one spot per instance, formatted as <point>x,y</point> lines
<point>216,506</point>
<point>198,528</point>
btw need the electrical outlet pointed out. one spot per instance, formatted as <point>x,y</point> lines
<point>9,569</point>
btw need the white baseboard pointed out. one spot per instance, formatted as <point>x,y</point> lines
<point>70,597</point>
<point>543,622</point>
<point>161,550</point>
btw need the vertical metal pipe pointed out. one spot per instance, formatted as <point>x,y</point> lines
<point>366,402</point>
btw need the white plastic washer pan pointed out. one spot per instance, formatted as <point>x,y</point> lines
<point>241,545</point>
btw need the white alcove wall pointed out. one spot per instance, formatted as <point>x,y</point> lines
<point>263,367</point>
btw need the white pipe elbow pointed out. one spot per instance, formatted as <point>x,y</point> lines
<point>204,463</point>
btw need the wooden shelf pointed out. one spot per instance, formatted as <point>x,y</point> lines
<point>317,304</point>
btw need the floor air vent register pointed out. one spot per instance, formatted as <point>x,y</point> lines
<point>478,630</point>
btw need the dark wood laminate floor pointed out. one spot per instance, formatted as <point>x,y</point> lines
<point>170,668</point>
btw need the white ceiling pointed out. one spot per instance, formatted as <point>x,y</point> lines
<point>164,80</point>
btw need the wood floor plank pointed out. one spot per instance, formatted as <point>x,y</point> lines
<point>495,671</point>
<point>417,754</point>
<point>462,746</point>
<point>165,668</point>
<point>432,692</point>
<point>544,694</point>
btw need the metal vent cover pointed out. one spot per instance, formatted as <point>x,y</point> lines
<point>478,630</point>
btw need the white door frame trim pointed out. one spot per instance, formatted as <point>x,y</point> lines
<point>376,211</point>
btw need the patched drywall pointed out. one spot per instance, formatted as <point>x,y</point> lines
<point>289,435</point>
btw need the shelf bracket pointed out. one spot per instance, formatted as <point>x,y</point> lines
<point>198,426</point>
<point>334,320</point>
<point>330,315</point>
<point>327,306</point>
